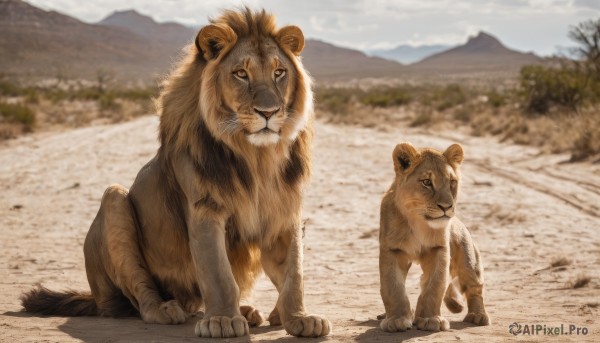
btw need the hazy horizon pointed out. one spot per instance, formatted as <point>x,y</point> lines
<point>539,26</point>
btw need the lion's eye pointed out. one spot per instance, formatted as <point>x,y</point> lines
<point>279,72</point>
<point>241,74</point>
<point>426,183</point>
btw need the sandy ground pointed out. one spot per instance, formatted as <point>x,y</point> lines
<point>524,209</point>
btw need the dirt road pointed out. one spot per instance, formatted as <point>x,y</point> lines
<point>524,210</point>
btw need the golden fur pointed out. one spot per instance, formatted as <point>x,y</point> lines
<point>418,224</point>
<point>222,198</point>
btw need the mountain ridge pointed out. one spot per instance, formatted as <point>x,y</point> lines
<point>483,52</point>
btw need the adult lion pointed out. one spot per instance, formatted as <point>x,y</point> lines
<point>418,224</point>
<point>221,198</point>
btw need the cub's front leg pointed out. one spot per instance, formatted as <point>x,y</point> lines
<point>219,290</point>
<point>282,262</point>
<point>393,268</point>
<point>435,264</point>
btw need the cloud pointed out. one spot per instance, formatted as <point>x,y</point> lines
<point>538,25</point>
<point>593,4</point>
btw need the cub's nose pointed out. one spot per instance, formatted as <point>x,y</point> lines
<point>444,207</point>
<point>266,112</point>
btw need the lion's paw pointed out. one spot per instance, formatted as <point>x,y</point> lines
<point>222,327</point>
<point>394,323</point>
<point>308,326</point>
<point>168,312</point>
<point>436,323</point>
<point>477,318</point>
<point>254,317</point>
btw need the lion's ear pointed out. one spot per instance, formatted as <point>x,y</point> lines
<point>454,154</point>
<point>213,38</point>
<point>291,37</point>
<point>405,155</point>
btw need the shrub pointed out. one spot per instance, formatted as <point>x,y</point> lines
<point>335,100</point>
<point>421,119</point>
<point>17,113</point>
<point>107,101</point>
<point>543,87</point>
<point>386,97</point>
<point>443,98</point>
<point>9,89</point>
<point>496,99</point>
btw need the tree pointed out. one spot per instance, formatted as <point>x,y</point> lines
<point>587,35</point>
<point>104,76</point>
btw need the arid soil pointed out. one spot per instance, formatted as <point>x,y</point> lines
<point>524,209</point>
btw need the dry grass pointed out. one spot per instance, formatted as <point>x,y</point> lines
<point>484,111</point>
<point>580,281</point>
<point>25,108</point>
<point>560,261</point>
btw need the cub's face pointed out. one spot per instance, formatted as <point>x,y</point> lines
<point>257,85</point>
<point>427,183</point>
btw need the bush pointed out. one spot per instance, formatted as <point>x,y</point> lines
<point>496,99</point>
<point>544,87</point>
<point>335,100</point>
<point>10,89</point>
<point>386,97</point>
<point>422,118</point>
<point>17,113</point>
<point>443,98</point>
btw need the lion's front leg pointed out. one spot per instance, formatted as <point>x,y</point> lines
<point>282,262</point>
<point>219,290</point>
<point>393,268</point>
<point>435,264</point>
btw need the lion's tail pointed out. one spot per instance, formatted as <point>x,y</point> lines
<point>43,301</point>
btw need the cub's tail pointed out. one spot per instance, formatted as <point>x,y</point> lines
<point>43,301</point>
<point>452,299</point>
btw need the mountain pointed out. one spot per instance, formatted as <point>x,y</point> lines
<point>327,61</point>
<point>483,52</point>
<point>36,43</point>
<point>144,26</point>
<point>408,54</point>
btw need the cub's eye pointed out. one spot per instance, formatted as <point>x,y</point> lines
<point>279,72</point>
<point>241,74</point>
<point>426,183</point>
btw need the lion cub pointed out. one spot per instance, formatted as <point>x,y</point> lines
<point>418,224</point>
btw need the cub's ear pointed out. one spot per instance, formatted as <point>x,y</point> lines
<point>405,155</point>
<point>454,154</point>
<point>212,39</point>
<point>291,37</point>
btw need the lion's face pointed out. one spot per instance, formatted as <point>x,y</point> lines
<point>256,88</point>
<point>251,84</point>
<point>427,183</point>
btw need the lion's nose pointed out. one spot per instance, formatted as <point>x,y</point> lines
<point>444,207</point>
<point>266,112</point>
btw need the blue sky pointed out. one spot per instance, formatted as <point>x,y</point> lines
<point>527,25</point>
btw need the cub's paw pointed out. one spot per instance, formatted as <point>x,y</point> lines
<point>436,323</point>
<point>222,327</point>
<point>308,326</point>
<point>394,323</point>
<point>254,317</point>
<point>477,318</point>
<point>168,312</point>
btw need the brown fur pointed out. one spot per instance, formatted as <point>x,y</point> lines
<point>418,224</point>
<point>222,198</point>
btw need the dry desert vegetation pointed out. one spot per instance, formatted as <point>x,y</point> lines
<point>530,190</point>
<point>534,218</point>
